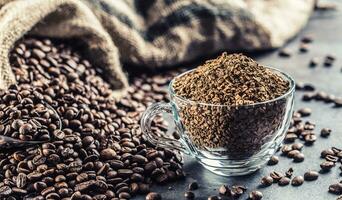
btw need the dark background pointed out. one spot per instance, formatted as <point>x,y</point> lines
<point>326,28</point>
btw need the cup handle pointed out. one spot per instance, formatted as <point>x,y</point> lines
<point>146,121</point>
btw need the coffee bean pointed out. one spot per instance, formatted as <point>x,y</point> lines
<point>284,181</point>
<point>266,181</point>
<point>304,47</point>
<point>325,132</point>
<point>336,188</point>
<point>237,190</point>
<point>307,39</point>
<point>189,195</point>
<point>314,62</point>
<point>305,112</point>
<point>298,157</point>
<point>338,102</point>
<point>273,160</point>
<point>290,137</point>
<point>331,158</point>
<point>224,190</point>
<point>276,176</point>
<point>297,146</point>
<point>108,154</point>
<point>289,172</point>
<point>284,52</point>
<point>311,175</point>
<point>214,197</point>
<point>193,186</point>
<point>153,196</point>
<point>255,195</point>
<point>327,165</point>
<point>297,181</point>
<point>310,138</point>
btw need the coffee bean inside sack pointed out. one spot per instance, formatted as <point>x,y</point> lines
<point>99,151</point>
<point>235,81</point>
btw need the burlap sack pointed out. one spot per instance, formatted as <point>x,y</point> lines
<point>151,33</point>
<point>62,19</point>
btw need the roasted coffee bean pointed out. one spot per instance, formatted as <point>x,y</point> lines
<point>214,197</point>
<point>331,158</point>
<point>224,190</point>
<point>327,152</point>
<point>297,181</point>
<point>290,137</point>
<point>327,165</point>
<point>285,149</point>
<point>98,148</point>
<point>336,188</point>
<point>297,146</point>
<point>298,157</point>
<point>153,196</point>
<point>338,102</point>
<point>284,52</point>
<point>276,176</point>
<point>293,153</point>
<point>310,139</point>
<point>284,181</point>
<point>314,62</point>
<point>325,132</point>
<point>305,112</point>
<point>304,47</point>
<point>266,181</point>
<point>193,185</point>
<point>255,195</point>
<point>189,195</point>
<point>237,191</point>
<point>311,175</point>
<point>289,172</point>
<point>273,160</point>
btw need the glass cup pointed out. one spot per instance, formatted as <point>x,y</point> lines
<point>227,140</point>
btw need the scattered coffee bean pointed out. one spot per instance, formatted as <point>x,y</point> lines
<point>289,172</point>
<point>304,47</point>
<point>273,160</point>
<point>255,195</point>
<point>266,181</point>
<point>298,157</point>
<point>284,52</point>
<point>327,152</point>
<point>297,146</point>
<point>311,175</point>
<point>336,188</point>
<point>276,176</point>
<point>193,185</point>
<point>293,153</point>
<point>189,195</point>
<point>305,112</point>
<point>307,39</point>
<point>214,197</point>
<point>325,132</point>
<point>153,196</point>
<point>297,181</point>
<point>338,102</point>
<point>237,190</point>
<point>224,190</point>
<point>327,165</point>
<point>284,181</point>
<point>285,149</point>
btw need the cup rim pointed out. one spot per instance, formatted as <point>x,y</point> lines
<point>189,101</point>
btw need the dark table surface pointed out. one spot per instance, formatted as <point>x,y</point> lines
<point>326,27</point>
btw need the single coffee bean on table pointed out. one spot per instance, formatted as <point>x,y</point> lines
<point>231,80</point>
<point>255,195</point>
<point>311,175</point>
<point>297,181</point>
<point>284,181</point>
<point>266,181</point>
<point>325,132</point>
<point>273,160</point>
<point>189,195</point>
<point>336,188</point>
<point>327,165</point>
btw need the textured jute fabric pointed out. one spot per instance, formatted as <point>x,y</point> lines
<point>151,33</point>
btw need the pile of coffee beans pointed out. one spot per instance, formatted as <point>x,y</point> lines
<point>236,81</point>
<point>25,116</point>
<point>98,151</point>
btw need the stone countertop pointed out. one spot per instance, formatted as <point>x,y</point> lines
<point>326,27</point>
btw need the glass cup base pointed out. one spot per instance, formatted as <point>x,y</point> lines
<point>226,167</point>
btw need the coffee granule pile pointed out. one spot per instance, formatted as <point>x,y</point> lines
<point>236,131</point>
<point>230,80</point>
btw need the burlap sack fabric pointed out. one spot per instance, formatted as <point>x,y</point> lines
<point>151,33</point>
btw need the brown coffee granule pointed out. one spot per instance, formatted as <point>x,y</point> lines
<point>230,80</point>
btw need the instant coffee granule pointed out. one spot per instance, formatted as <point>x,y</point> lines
<point>241,126</point>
